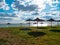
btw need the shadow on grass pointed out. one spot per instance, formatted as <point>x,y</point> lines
<point>25,29</point>
<point>53,27</point>
<point>2,41</point>
<point>42,28</point>
<point>56,30</point>
<point>36,34</point>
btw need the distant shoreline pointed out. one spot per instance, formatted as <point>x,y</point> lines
<point>23,25</point>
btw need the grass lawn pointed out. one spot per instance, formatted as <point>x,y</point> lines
<point>32,36</point>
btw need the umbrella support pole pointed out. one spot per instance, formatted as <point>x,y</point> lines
<point>37,25</point>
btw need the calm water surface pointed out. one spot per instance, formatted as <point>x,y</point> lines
<point>17,25</point>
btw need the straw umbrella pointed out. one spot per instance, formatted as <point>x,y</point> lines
<point>29,21</point>
<point>41,20</point>
<point>57,21</point>
<point>51,20</point>
<point>37,19</point>
<point>8,23</point>
<point>21,24</point>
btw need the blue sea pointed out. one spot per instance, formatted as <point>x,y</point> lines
<point>12,25</point>
<point>17,25</point>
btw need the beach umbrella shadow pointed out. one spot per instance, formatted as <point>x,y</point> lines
<point>42,27</point>
<point>36,34</point>
<point>25,28</point>
<point>55,30</point>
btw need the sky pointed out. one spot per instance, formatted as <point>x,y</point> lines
<point>16,11</point>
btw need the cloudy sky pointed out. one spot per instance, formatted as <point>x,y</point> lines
<point>19,10</point>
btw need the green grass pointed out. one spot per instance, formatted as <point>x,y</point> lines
<point>17,36</point>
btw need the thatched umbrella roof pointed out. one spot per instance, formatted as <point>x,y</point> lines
<point>37,19</point>
<point>29,20</point>
<point>51,20</point>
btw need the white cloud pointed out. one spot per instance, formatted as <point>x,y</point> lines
<point>23,13</point>
<point>23,2</point>
<point>53,9</point>
<point>4,6</point>
<point>13,6</point>
<point>51,2</point>
<point>42,5</point>
<point>18,20</point>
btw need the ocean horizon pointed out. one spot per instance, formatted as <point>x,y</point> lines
<point>31,24</point>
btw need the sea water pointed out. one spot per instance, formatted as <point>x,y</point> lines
<point>12,25</point>
<point>26,24</point>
